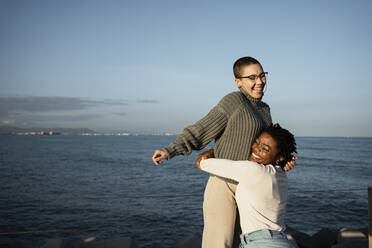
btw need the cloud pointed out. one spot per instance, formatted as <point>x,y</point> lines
<point>148,101</point>
<point>50,118</point>
<point>40,104</point>
<point>17,110</point>
<point>34,104</point>
<point>33,119</point>
<point>108,102</point>
<point>43,110</point>
<point>120,114</point>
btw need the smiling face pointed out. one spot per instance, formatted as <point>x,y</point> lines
<point>265,150</point>
<point>252,87</point>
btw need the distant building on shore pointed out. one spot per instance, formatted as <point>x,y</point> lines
<point>38,133</point>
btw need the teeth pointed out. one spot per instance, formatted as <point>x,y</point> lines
<point>254,155</point>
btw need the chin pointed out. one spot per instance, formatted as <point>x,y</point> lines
<point>258,96</point>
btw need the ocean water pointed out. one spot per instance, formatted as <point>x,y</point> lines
<point>76,187</point>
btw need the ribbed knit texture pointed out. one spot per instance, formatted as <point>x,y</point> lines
<point>234,124</point>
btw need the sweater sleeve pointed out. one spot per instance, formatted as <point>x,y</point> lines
<point>239,171</point>
<point>199,135</point>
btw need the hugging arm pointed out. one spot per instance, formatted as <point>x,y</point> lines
<point>235,170</point>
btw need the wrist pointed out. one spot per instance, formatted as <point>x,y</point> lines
<point>169,153</point>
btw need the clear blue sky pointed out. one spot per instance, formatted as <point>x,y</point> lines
<point>158,66</point>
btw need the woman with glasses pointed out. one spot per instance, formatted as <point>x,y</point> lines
<point>233,124</point>
<point>261,194</point>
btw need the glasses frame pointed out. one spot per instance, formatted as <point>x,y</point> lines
<point>262,75</point>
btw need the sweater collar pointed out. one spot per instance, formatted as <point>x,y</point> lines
<point>253,100</point>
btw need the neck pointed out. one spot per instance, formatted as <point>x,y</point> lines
<point>251,98</point>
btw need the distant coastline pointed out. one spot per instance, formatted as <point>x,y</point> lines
<point>38,131</point>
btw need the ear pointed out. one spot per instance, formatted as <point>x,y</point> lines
<point>238,82</point>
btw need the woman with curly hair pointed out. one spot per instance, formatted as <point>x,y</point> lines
<point>261,194</point>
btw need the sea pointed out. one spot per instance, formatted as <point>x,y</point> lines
<point>77,187</point>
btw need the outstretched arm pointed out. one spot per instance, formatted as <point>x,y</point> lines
<point>195,137</point>
<point>199,135</point>
<point>236,170</point>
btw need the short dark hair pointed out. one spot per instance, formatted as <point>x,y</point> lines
<point>244,61</point>
<point>285,141</point>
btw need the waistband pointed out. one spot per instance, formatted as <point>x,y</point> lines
<point>262,234</point>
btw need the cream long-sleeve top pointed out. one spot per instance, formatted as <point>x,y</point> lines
<point>261,194</point>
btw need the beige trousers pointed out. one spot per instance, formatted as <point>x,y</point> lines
<point>220,215</point>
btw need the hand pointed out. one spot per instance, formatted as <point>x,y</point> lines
<point>158,156</point>
<point>291,164</point>
<point>204,155</point>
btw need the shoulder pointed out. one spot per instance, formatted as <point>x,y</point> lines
<point>274,171</point>
<point>264,104</point>
<point>233,96</point>
<point>231,101</point>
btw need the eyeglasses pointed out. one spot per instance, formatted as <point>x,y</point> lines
<point>254,77</point>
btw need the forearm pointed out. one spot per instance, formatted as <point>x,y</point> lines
<point>235,170</point>
<point>239,171</point>
<point>199,135</point>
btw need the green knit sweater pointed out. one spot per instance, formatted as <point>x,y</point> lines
<point>234,124</point>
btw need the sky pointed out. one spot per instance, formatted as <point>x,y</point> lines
<point>159,66</point>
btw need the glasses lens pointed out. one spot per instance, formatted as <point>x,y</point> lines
<point>252,77</point>
<point>263,75</point>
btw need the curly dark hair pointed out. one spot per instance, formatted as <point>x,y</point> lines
<point>244,61</point>
<point>285,141</point>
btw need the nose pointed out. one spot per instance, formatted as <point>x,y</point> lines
<point>259,80</point>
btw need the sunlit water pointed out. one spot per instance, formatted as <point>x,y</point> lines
<point>109,184</point>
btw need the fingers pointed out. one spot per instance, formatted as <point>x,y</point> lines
<point>205,155</point>
<point>197,162</point>
<point>158,156</point>
<point>158,160</point>
<point>208,154</point>
<point>289,165</point>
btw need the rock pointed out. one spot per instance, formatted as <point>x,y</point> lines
<point>364,230</point>
<point>53,243</point>
<point>358,243</point>
<point>347,234</point>
<point>192,241</point>
<point>324,238</point>
<point>90,239</point>
<point>123,242</point>
<point>301,239</point>
<point>351,238</point>
<point>64,243</point>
